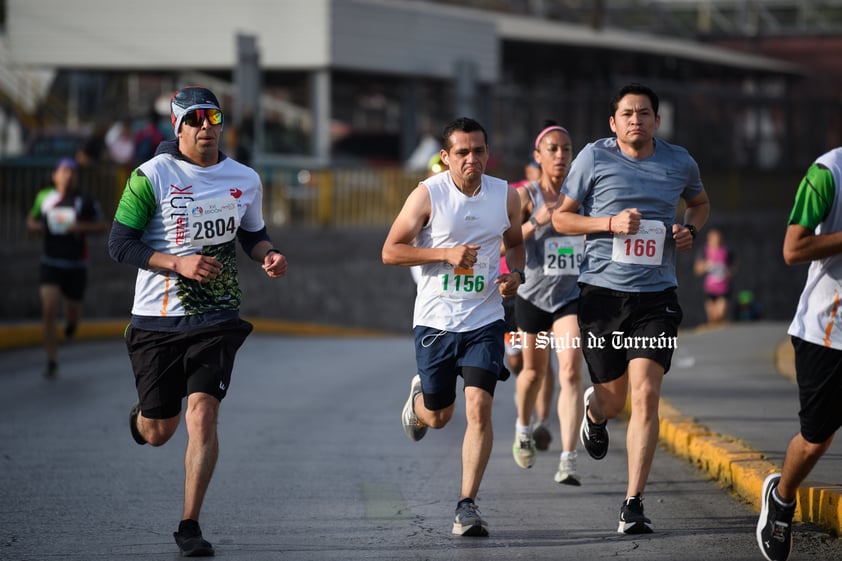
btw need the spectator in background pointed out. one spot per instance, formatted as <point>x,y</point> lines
<point>147,139</point>
<point>715,264</point>
<point>531,173</point>
<point>120,143</point>
<point>64,216</point>
<point>92,149</point>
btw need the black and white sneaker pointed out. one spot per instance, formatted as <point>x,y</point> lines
<point>774,527</point>
<point>190,541</point>
<point>133,413</point>
<point>632,520</point>
<point>468,520</point>
<point>594,436</point>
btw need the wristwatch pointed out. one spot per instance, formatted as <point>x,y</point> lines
<point>522,276</point>
<point>534,222</point>
<point>692,229</point>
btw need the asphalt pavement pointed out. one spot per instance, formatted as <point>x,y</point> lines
<point>315,466</point>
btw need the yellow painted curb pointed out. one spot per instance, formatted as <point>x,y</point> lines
<point>28,334</point>
<point>741,469</point>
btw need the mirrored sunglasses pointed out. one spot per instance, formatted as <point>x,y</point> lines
<point>196,117</point>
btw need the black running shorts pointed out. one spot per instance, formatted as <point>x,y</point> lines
<point>532,319</point>
<point>169,366</point>
<point>819,374</point>
<point>617,327</point>
<point>70,280</point>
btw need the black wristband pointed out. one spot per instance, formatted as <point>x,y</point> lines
<point>522,276</point>
<point>693,231</point>
<point>272,250</point>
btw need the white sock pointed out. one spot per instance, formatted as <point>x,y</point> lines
<point>780,501</point>
<point>565,455</point>
<point>522,429</point>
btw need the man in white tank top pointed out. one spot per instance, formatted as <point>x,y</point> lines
<point>452,226</point>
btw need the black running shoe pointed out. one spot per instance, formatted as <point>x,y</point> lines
<point>51,371</point>
<point>594,436</point>
<point>133,413</point>
<point>190,541</point>
<point>541,435</point>
<point>632,520</point>
<point>774,527</point>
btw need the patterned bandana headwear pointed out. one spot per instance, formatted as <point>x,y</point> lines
<point>187,99</point>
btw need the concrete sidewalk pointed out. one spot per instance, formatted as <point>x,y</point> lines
<point>730,405</point>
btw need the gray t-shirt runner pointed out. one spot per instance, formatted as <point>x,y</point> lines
<point>605,182</point>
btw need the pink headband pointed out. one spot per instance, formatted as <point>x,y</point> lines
<point>548,129</point>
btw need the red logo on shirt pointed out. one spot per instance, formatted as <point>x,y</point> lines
<point>236,193</point>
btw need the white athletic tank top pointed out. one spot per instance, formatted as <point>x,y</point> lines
<point>453,299</point>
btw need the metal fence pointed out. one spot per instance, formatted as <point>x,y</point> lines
<point>334,197</point>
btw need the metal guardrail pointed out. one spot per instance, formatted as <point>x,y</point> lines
<point>335,197</point>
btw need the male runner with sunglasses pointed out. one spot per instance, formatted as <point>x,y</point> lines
<point>178,222</point>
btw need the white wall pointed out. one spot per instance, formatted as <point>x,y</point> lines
<point>164,34</point>
<point>362,35</point>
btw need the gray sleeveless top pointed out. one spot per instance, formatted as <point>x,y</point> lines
<point>552,262</point>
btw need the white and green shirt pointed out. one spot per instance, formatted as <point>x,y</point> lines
<point>818,207</point>
<point>184,209</point>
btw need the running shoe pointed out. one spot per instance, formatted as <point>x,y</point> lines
<point>190,541</point>
<point>774,527</point>
<point>133,413</point>
<point>541,435</point>
<point>468,520</point>
<point>632,520</point>
<point>70,330</point>
<point>51,371</point>
<point>412,425</point>
<point>594,436</point>
<point>523,450</point>
<point>567,474</point>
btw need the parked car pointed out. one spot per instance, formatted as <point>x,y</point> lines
<point>46,147</point>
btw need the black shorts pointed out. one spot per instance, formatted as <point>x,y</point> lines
<point>532,319</point>
<point>169,366</point>
<point>509,313</point>
<point>617,327</point>
<point>70,280</point>
<point>818,371</point>
<point>442,356</point>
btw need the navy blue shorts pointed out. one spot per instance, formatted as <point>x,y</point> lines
<point>169,366</point>
<point>617,327</point>
<point>818,371</point>
<point>442,356</point>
